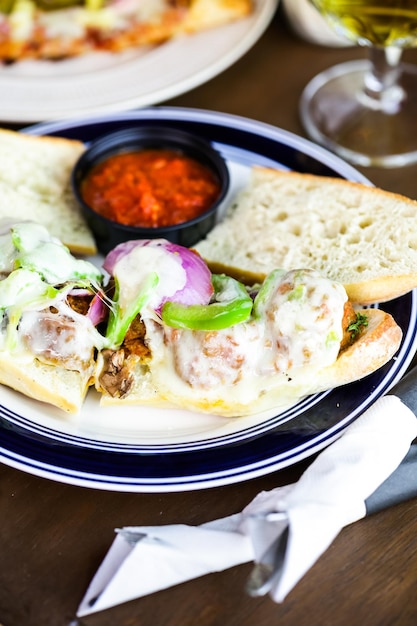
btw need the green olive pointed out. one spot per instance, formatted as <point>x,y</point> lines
<point>52,5</point>
<point>6,6</point>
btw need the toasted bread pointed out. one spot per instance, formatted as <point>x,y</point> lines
<point>358,235</point>
<point>35,185</point>
<point>60,387</point>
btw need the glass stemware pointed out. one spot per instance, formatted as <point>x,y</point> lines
<point>366,110</point>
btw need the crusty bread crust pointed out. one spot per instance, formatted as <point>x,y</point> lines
<point>54,385</point>
<point>360,236</point>
<point>376,345</point>
<point>35,185</point>
<point>204,14</point>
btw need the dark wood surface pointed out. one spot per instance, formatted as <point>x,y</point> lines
<point>53,536</point>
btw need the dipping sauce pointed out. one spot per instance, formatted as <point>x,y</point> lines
<point>150,188</point>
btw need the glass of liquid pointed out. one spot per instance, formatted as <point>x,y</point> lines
<point>366,111</point>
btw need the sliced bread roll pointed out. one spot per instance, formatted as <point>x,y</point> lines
<point>65,389</point>
<point>361,236</point>
<point>158,384</point>
<point>35,185</point>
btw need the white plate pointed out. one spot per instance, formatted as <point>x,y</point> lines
<point>103,82</point>
<point>154,450</point>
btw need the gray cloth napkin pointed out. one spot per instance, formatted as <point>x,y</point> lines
<point>399,487</point>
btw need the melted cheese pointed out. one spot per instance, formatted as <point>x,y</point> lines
<point>36,320</point>
<point>30,246</point>
<point>7,254</point>
<point>63,337</point>
<point>72,22</point>
<point>132,272</point>
<point>54,334</point>
<point>21,20</point>
<point>62,24</point>
<point>302,320</point>
<point>297,331</point>
<point>208,359</point>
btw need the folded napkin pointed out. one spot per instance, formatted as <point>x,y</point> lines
<point>304,518</point>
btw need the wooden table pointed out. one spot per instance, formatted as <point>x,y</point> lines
<point>54,536</point>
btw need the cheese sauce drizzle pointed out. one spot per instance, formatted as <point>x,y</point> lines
<point>298,325</point>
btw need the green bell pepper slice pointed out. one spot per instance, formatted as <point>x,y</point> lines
<point>123,313</point>
<point>265,291</point>
<point>232,305</point>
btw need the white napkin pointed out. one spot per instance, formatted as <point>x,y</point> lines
<point>328,496</point>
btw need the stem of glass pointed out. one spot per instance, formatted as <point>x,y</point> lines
<point>381,90</point>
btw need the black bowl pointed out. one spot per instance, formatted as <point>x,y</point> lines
<point>109,233</point>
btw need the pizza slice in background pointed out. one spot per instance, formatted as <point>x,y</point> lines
<point>58,29</point>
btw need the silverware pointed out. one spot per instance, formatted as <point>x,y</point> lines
<point>272,528</point>
<point>267,569</point>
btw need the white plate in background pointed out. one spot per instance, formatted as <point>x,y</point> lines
<point>33,91</point>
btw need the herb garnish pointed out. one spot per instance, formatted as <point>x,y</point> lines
<point>356,327</point>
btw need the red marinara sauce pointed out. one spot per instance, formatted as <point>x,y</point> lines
<point>150,188</point>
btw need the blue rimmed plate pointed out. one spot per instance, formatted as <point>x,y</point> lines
<point>153,450</point>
